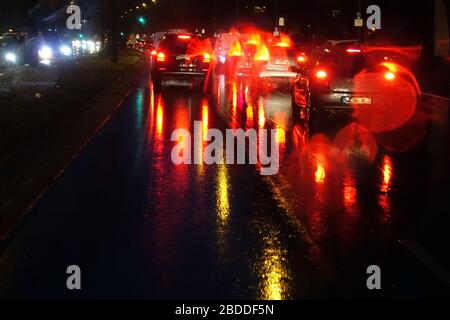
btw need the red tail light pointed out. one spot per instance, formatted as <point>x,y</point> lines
<point>206,58</point>
<point>301,59</point>
<point>321,74</point>
<point>283,44</point>
<point>321,77</point>
<point>184,37</point>
<point>235,50</point>
<point>353,50</point>
<point>262,54</point>
<point>161,57</point>
<point>153,53</point>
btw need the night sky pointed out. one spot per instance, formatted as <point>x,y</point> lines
<point>402,20</point>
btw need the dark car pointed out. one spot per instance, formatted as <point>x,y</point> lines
<point>55,45</point>
<point>12,49</point>
<point>330,80</point>
<point>179,56</point>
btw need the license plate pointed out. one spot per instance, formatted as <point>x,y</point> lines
<point>282,62</point>
<point>360,100</point>
<point>182,57</point>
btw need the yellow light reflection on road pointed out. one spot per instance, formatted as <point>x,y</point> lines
<point>222,209</point>
<point>273,271</point>
<point>223,205</point>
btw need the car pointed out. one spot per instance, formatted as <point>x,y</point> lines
<point>52,45</point>
<point>330,81</point>
<point>32,48</point>
<point>276,67</point>
<point>12,49</point>
<point>232,49</point>
<point>245,63</point>
<point>177,58</point>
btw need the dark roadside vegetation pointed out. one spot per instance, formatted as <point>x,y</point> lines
<point>46,117</point>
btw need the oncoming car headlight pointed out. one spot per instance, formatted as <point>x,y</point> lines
<point>45,53</point>
<point>11,57</point>
<point>65,50</point>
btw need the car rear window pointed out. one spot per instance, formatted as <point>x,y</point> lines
<point>173,45</point>
<point>281,52</point>
<point>345,64</point>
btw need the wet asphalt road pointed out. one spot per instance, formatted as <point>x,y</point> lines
<point>141,227</point>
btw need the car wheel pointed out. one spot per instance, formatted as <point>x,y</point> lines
<point>315,120</point>
<point>296,109</point>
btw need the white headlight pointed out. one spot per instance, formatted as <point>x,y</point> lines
<point>11,57</point>
<point>45,53</point>
<point>65,50</point>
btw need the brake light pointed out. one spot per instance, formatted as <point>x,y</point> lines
<point>153,52</point>
<point>161,57</point>
<point>321,74</point>
<point>206,58</point>
<point>184,37</point>
<point>389,76</point>
<point>301,59</point>
<point>285,41</point>
<point>236,50</point>
<point>262,54</point>
<point>353,50</point>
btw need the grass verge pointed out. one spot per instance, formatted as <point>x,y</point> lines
<point>39,136</point>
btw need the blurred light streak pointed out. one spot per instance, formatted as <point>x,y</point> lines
<point>387,173</point>
<point>159,117</point>
<point>273,271</point>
